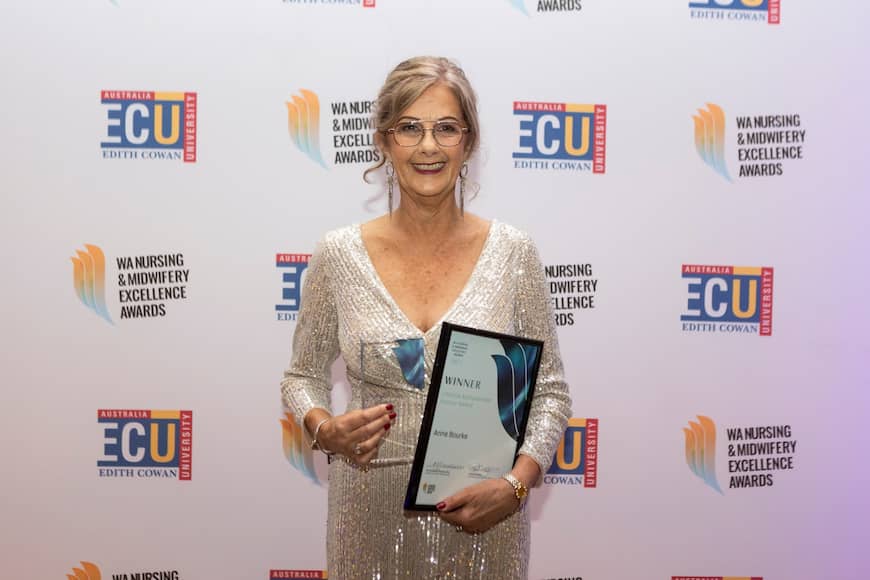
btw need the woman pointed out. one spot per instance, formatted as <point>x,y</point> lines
<point>389,283</point>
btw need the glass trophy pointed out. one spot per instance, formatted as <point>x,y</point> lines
<point>387,368</point>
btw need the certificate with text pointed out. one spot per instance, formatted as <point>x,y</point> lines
<point>476,412</point>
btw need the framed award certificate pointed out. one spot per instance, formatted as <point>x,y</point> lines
<point>476,412</point>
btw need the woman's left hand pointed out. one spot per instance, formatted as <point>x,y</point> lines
<point>479,507</point>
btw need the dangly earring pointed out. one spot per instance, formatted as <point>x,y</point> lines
<point>390,173</point>
<point>463,172</point>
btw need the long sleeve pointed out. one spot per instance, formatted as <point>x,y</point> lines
<point>307,382</point>
<point>551,404</point>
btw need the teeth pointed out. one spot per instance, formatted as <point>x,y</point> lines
<point>429,166</point>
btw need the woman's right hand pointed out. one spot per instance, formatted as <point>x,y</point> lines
<point>356,434</point>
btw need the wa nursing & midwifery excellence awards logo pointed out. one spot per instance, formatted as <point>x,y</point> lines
<point>144,284</point>
<point>766,144</point>
<point>350,129</point>
<point>560,136</point>
<point>572,289</point>
<point>576,459</point>
<point>547,5</point>
<point>90,571</point>
<point>728,299</point>
<point>755,453</point>
<point>150,125</point>
<point>144,443</point>
<point>769,11</point>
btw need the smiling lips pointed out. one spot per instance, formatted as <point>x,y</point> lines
<point>428,167</point>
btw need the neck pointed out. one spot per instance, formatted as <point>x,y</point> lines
<point>427,219</point>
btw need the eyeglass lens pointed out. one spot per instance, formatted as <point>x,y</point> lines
<point>446,133</point>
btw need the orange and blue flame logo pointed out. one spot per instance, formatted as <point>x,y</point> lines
<point>519,5</point>
<point>89,280</point>
<point>710,138</point>
<point>296,448</point>
<point>701,450</point>
<point>88,571</point>
<point>303,123</point>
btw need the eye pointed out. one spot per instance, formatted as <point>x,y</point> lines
<point>448,129</point>
<point>409,129</point>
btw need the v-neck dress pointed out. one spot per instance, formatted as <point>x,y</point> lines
<point>347,310</point>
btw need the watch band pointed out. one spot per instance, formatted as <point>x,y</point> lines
<point>520,490</point>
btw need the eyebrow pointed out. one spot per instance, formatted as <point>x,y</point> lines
<point>416,119</point>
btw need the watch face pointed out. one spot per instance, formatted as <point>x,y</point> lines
<point>520,490</point>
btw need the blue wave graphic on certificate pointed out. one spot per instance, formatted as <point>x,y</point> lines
<point>513,369</point>
<point>409,353</point>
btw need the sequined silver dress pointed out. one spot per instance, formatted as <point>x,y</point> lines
<point>347,310</point>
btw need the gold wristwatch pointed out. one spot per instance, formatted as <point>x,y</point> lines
<point>520,489</point>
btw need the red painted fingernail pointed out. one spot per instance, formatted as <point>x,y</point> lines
<point>387,426</point>
<point>389,406</point>
<point>392,416</point>
<point>441,506</point>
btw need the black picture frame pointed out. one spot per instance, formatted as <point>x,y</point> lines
<point>447,331</point>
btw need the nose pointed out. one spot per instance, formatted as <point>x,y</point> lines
<point>428,142</point>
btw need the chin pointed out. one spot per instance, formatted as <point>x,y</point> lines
<point>434,194</point>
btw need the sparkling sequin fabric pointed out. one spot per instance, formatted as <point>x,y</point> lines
<point>347,310</point>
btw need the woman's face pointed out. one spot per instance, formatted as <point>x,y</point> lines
<point>428,170</point>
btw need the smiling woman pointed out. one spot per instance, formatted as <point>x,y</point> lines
<point>377,294</point>
<point>424,166</point>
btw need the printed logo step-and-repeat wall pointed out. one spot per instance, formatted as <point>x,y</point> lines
<point>693,171</point>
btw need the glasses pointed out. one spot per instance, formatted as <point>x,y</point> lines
<point>445,133</point>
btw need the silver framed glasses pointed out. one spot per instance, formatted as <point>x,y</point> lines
<point>445,133</point>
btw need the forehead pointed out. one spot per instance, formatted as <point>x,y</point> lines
<point>436,102</point>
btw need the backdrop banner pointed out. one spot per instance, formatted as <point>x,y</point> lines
<point>692,171</point>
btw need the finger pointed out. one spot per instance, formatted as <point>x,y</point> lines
<point>344,427</point>
<point>366,458</point>
<point>353,420</point>
<point>377,427</point>
<point>335,433</point>
<point>371,414</point>
<point>453,502</point>
<point>364,448</point>
<point>368,448</point>
<point>462,521</point>
<point>456,518</point>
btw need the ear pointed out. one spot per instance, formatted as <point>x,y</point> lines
<point>382,144</point>
<point>467,153</point>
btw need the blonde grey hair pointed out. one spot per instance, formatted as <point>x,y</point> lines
<point>409,80</point>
